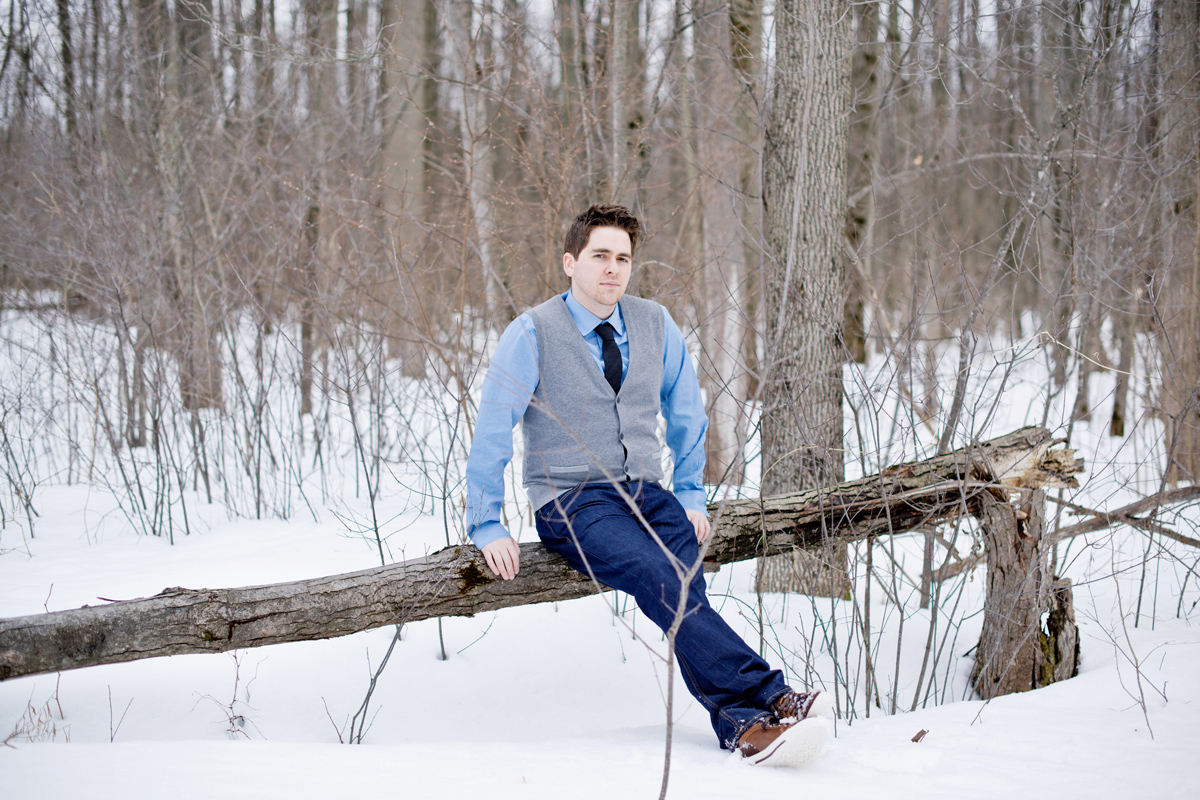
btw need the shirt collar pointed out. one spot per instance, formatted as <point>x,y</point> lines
<point>586,321</point>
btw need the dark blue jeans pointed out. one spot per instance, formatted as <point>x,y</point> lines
<point>595,530</point>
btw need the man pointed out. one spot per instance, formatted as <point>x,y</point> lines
<point>587,373</point>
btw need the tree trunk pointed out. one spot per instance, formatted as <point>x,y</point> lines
<point>745,24</point>
<point>861,166</point>
<point>1018,651</point>
<point>308,289</point>
<point>623,22</point>
<point>263,30</point>
<point>320,20</point>
<point>68,64</point>
<point>456,582</point>
<point>719,246</point>
<point>1125,321</point>
<point>804,197</point>
<point>1179,289</point>
<point>357,70</point>
<point>403,106</point>
<point>198,304</point>
<point>470,71</point>
<point>194,19</point>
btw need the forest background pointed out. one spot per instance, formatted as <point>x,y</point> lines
<point>386,182</point>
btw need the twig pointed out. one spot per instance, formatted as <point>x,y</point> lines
<point>112,732</point>
<point>336,729</point>
<point>1125,515</point>
<point>1132,656</point>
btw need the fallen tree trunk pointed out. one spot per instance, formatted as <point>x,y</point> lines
<point>456,582</point>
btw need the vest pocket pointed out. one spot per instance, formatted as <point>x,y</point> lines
<point>561,475</point>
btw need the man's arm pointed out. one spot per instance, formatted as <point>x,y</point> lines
<point>683,408</point>
<point>508,388</point>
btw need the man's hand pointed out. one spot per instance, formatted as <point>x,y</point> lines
<point>504,556</point>
<point>699,521</point>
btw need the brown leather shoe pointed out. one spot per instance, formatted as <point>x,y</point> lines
<point>759,736</point>
<point>783,744</point>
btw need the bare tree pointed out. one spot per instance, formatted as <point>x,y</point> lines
<point>718,149</point>
<point>804,190</point>
<point>1178,285</point>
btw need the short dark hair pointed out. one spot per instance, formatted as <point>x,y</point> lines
<point>602,215</point>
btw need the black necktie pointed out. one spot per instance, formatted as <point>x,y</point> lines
<point>612,356</point>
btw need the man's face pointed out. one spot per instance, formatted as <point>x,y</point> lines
<point>601,273</point>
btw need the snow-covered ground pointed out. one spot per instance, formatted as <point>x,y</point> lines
<point>566,700</point>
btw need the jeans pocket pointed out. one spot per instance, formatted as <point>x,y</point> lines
<point>561,508</point>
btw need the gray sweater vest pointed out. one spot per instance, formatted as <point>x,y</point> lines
<point>576,429</point>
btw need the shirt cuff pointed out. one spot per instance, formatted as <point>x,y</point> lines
<point>692,499</point>
<point>487,532</point>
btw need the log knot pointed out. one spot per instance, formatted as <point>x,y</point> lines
<point>472,577</point>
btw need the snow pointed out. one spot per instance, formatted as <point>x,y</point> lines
<point>530,719</point>
<point>568,700</point>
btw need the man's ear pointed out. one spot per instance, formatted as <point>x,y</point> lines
<point>569,265</point>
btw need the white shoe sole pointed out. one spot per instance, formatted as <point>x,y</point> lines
<point>798,745</point>
<point>822,706</point>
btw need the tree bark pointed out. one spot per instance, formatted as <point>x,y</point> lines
<point>263,29</point>
<point>1124,321</point>
<point>1018,651</point>
<point>618,95</point>
<point>717,163</point>
<point>471,72</point>
<point>68,64</point>
<point>745,23</point>
<point>456,582</point>
<point>320,21</point>
<point>861,167</point>
<point>195,280</point>
<point>804,197</point>
<point>404,110</point>
<point>1179,285</point>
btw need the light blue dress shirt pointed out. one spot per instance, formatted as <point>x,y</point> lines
<point>508,388</point>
